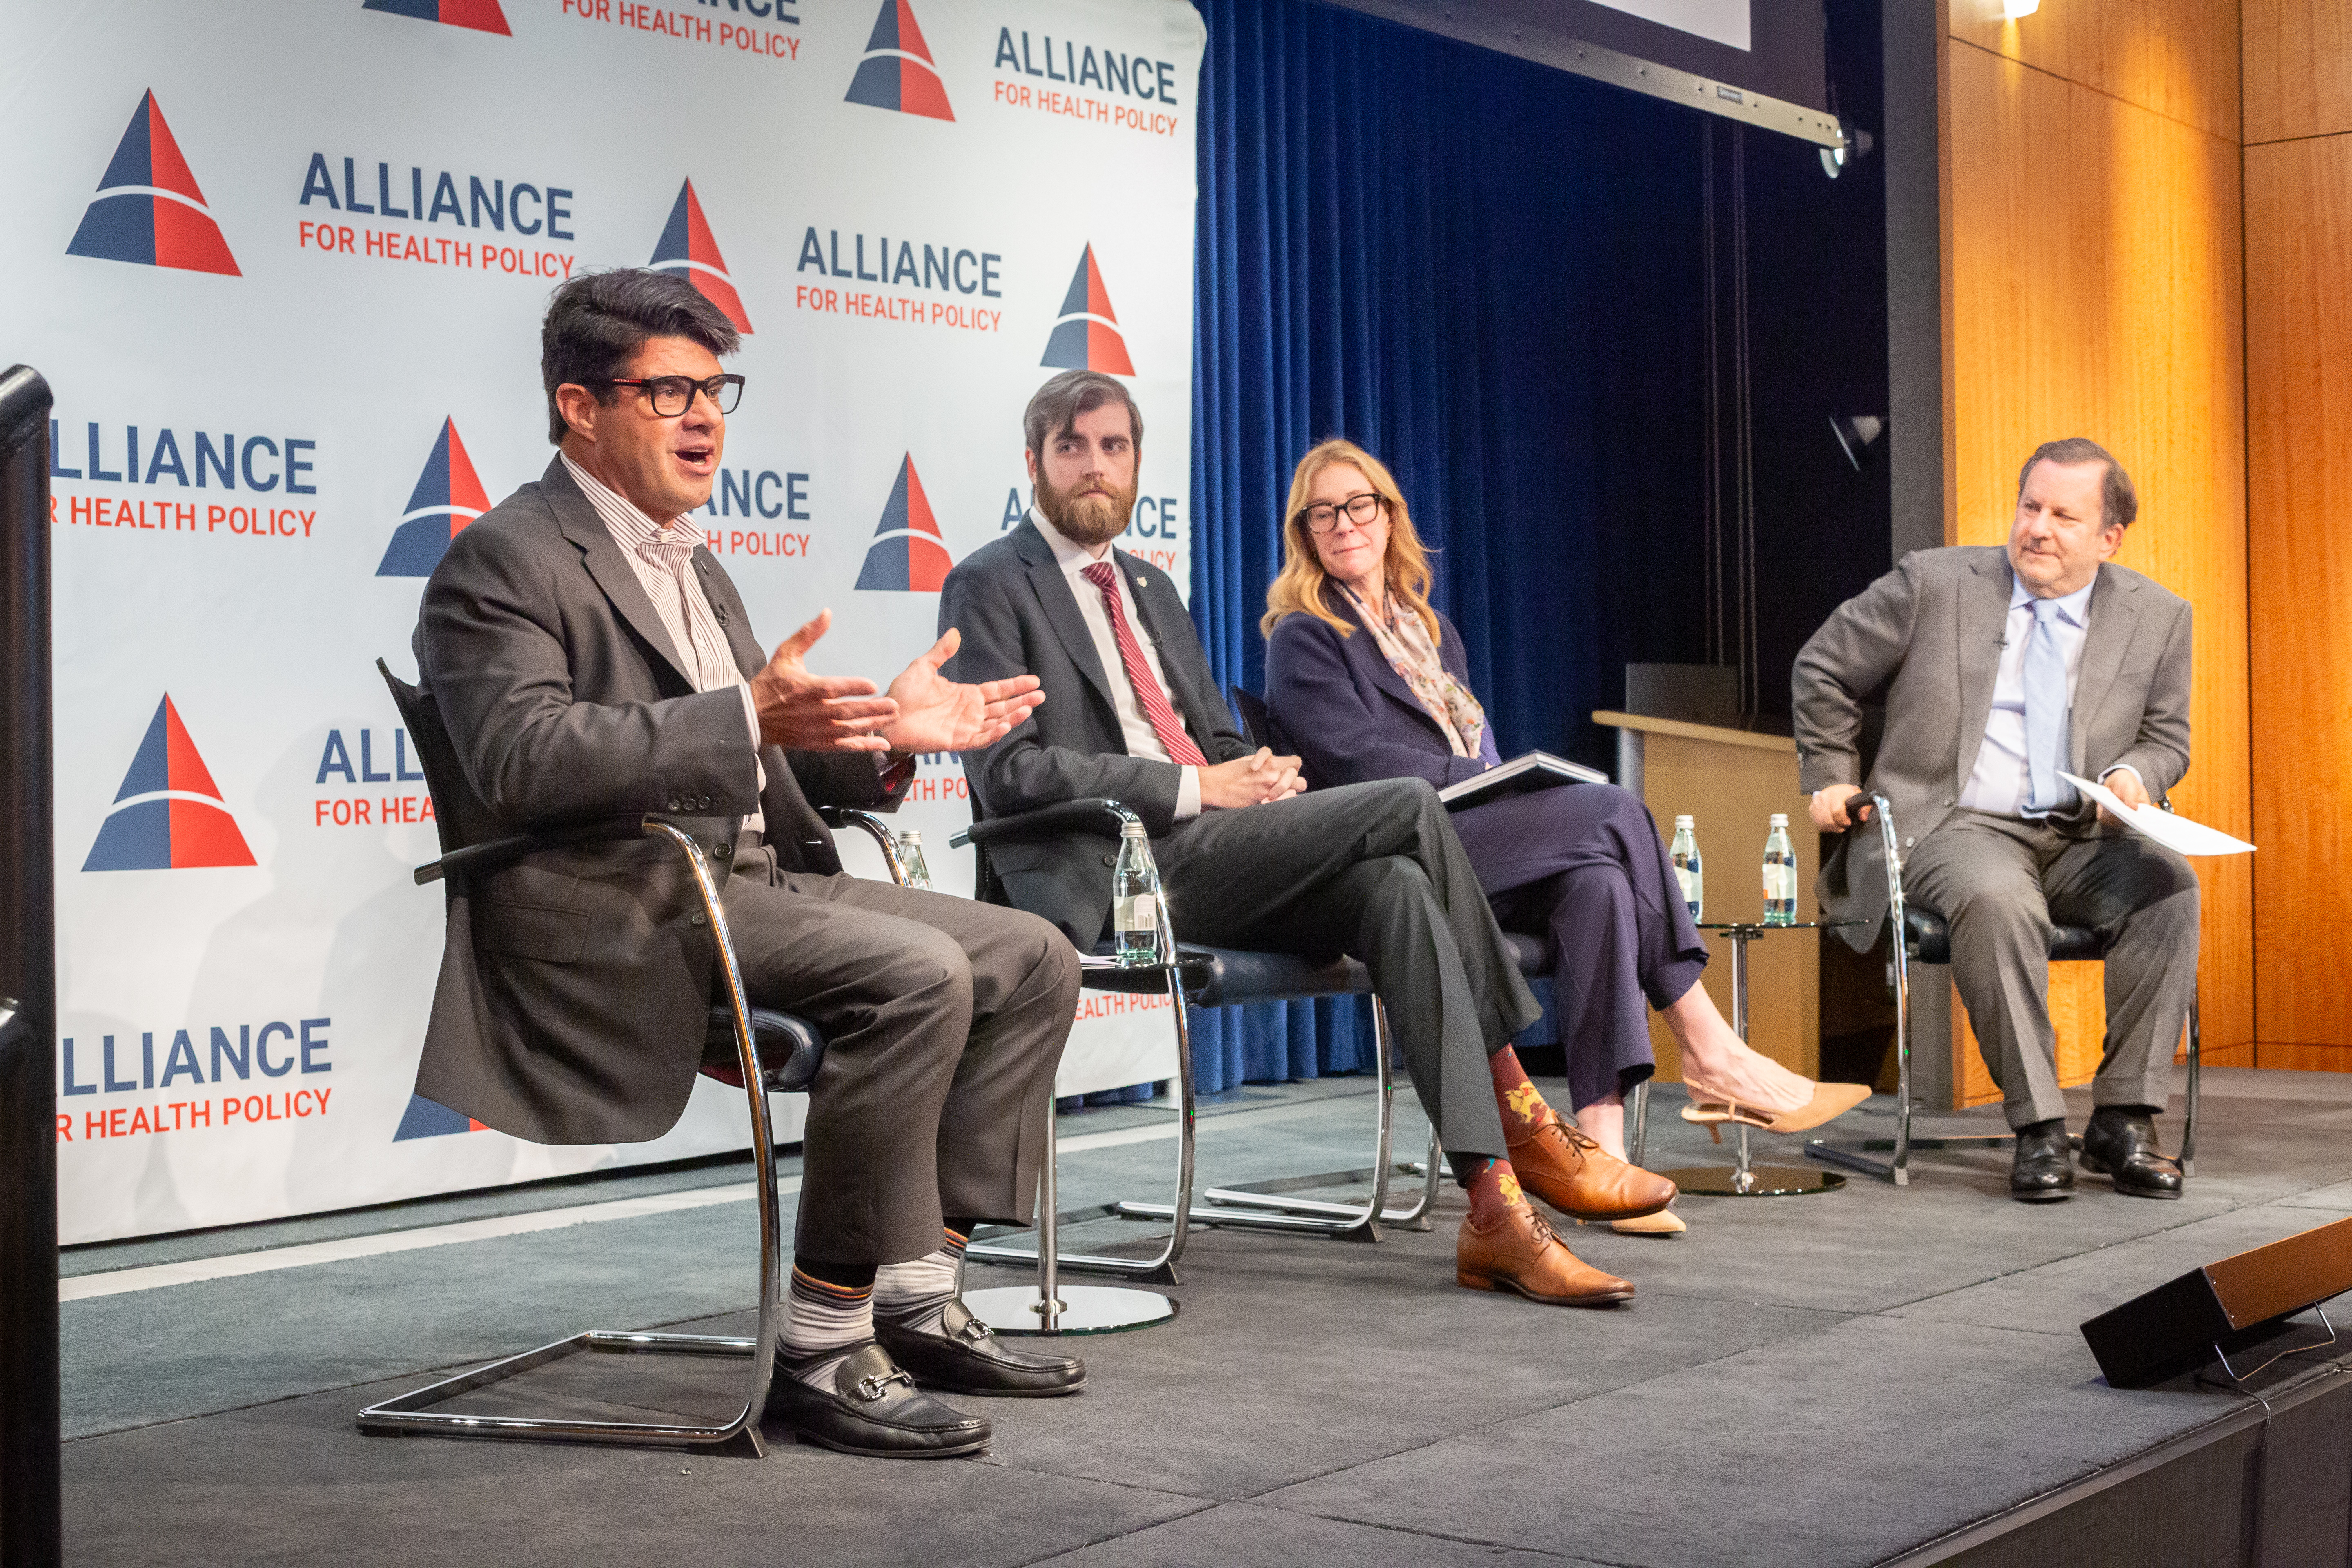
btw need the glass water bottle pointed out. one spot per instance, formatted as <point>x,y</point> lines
<point>1687,870</point>
<point>1136,906</point>
<point>1779,875</point>
<point>910,857</point>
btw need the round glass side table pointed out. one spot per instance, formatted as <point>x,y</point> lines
<point>1747,1179</point>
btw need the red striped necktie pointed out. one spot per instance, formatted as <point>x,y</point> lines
<point>1164,722</point>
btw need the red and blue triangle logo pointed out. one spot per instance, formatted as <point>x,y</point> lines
<point>906,555</point>
<point>898,71</point>
<point>148,209</point>
<point>1086,335</point>
<point>446,497</point>
<point>688,250</point>
<point>168,814</point>
<point>482,15</point>
<point>429,1119</point>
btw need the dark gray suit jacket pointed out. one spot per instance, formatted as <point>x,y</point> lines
<point>575,986</point>
<point>1018,616</point>
<point>1926,640</point>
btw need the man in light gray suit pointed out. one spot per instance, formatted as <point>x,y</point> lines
<point>591,658</point>
<point>2000,669</point>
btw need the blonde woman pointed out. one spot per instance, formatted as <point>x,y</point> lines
<point>1367,681</point>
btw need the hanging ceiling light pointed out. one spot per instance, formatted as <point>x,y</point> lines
<point>2013,9</point>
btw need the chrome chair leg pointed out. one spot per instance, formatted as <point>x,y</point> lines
<point>1638,1143</point>
<point>2188,1127</point>
<point>413,1412</point>
<point>1229,1206</point>
<point>1898,1169</point>
<point>1162,1268</point>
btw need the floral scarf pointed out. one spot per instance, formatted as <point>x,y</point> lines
<point>1404,639</point>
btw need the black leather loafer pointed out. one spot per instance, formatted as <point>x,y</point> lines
<point>874,1409</point>
<point>963,1356</point>
<point>2120,1144</point>
<point>2044,1170</point>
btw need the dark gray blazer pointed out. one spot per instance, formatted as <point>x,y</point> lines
<point>1017,615</point>
<point>575,986</point>
<point>1926,640</point>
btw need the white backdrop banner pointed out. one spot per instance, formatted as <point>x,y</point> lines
<point>284,264</point>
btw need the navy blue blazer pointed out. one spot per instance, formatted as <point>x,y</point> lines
<point>1349,715</point>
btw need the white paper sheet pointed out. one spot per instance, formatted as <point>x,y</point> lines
<point>2174,832</point>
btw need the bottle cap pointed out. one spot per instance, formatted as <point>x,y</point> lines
<point>1131,830</point>
<point>1779,819</point>
<point>1682,822</point>
<point>912,835</point>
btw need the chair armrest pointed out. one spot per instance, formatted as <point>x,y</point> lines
<point>1100,817</point>
<point>873,827</point>
<point>475,859</point>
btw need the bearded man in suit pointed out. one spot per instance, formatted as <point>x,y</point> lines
<point>2003,667</point>
<point>1246,859</point>
<point>589,658</point>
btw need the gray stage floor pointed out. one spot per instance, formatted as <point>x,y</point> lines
<point>1813,1381</point>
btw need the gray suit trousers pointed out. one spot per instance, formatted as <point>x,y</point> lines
<point>944,1021</point>
<point>1374,871</point>
<point>2001,882</point>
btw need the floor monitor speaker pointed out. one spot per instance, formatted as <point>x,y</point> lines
<point>2226,1307</point>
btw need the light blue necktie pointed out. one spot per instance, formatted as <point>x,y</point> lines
<point>2045,712</point>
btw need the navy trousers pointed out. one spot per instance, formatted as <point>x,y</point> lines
<point>1582,866</point>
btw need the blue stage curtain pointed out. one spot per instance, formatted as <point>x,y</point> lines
<point>1485,272</point>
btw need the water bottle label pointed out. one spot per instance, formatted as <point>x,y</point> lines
<point>1137,913</point>
<point>1689,884</point>
<point>1780,883</point>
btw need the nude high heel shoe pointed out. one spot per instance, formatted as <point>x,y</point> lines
<point>1830,1101</point>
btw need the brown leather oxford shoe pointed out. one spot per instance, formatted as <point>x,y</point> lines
<point>1578,1177</point>
<point>1521,1254</point>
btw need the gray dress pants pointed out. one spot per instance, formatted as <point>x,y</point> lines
<point>2001,882</point>
<point>1373,870</point>
<point>944,1021</point>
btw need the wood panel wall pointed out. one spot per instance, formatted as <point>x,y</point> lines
<point>2094,287</point>
<point>2298,161</point>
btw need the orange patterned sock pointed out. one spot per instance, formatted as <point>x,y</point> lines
<point>1525,1114</point>
<point>1493,1187</point>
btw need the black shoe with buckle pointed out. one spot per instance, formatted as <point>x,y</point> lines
<point>2120,1144</point>
<point>963,1356</point>
<point>874,1409</point>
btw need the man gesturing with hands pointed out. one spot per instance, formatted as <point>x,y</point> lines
<point>1246,859</point>
<point>590,658</point>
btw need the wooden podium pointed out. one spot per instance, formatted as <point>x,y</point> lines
<point>1729,783</point>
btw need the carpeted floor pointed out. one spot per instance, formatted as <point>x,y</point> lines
<point>1828,1380</point>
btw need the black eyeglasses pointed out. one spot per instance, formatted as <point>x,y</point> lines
<point>1359,509</point>
<point>674,395</point>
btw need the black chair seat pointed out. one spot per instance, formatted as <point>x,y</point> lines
<point>1529,952</point>
<point>791,1050</point>
<point>1221,976</point>
<point>1931,939</point>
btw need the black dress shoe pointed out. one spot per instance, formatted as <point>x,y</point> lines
<point>963,1356</point>
<point>2044,1170</point>
<point>874,1409</point>
<point>2120,1144</point>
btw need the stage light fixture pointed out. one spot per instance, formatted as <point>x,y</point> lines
<point>2011,10</point>
<point>1856,434</point>
<point>1857,144</point>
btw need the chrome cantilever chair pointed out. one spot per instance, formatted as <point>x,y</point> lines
<point>1927,939</point>
<point>760,1051</point>
<point>1201,977</point>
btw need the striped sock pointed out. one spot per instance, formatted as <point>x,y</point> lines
<point>913,1294</point>
<point>822,1323</point>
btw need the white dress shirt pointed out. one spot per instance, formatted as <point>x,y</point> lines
<point>662,555</point>
<point>1142,740</point>
<point>2000,781</point>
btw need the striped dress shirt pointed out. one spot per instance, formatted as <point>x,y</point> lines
<point>662,555</point>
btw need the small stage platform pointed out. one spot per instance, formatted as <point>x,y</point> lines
<point>1872,1375</point>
